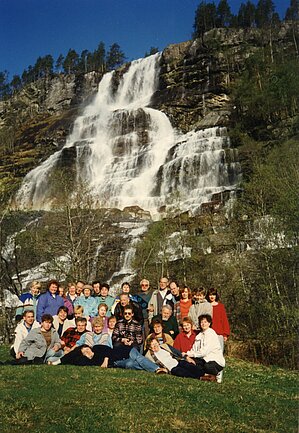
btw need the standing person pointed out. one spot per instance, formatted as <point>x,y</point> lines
<point>79,287</point>
<point>71,292</point>
<point>67,303</point>
<point>41,344</point>
<point>22,330</point>
<point>158,298</point>
<point>200,306</point>
<point>105,298</point>
<point>49,302</point>
<point>28,300</point>
<point>145,294</point>
<point>127,331</point>
<point>185,340</point>
<point>96,287</point>
<point>220,320</point>
<point>181,308</point>
<point>206,350</point>
<point>87,302</point>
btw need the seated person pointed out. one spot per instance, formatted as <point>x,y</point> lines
<point>22,330</point>
<point>127,331</point>
<point>171,359</point>
<point>97,336</point>
<point>111,324</point>
<point>184,341</point>
<point>28,300</point>
<point>199,306</point>
<point>170,324</point>
<point>158,333</point>
<point>102,312</point>
<point>41,344</point>
<point>124,301</point>
<point>72,335</point>
<point>87,302</point>
<point>206,350</point>
<point>79,312</point>
<point>60,321</point>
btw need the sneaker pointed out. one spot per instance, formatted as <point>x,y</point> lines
<point>54,362</point>
<point>219,376</point>
<point>161,371</point>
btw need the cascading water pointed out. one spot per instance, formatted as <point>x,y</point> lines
<point>129,154</point>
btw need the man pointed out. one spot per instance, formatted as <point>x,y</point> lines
<point>72,335</point>
<point>125,301</point>
<point>145,294</point>
<point>105,298</point>
<point>41,344</point>
<point>79,287</point>
<point>28,300</point>
<point>127,331</point>
<point>158,298</point>
<point>170,324</point>
<point>96,287</point>
<point>22,330</point>
<point>49,302</point>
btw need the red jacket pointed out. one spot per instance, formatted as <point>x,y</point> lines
<point>184,343</point>
<point>220,321</point>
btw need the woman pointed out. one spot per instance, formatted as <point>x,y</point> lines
<point>67,303</point>
<point>181,308</point>
<point>184,341</point>
<point>220,321</point>
<point>206,350</point>
<point>158,333</point>
<point>60,321</point>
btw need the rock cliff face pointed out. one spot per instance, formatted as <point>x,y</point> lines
<point>194,92</point>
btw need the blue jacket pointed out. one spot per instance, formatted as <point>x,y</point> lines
<point>48,304</point>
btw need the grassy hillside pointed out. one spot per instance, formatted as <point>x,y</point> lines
<point>62,399</point>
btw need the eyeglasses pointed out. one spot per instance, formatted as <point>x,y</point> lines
<point>144,285</point>
<point>127,314</point>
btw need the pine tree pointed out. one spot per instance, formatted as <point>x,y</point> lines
<point>246,15</point>
<point>115,57</point>
<point>224,14</point>
<point>70,62</point>
<point>59,63</point>
<point>205,18</point>
<point>264,13</point>
<point>292,12</point>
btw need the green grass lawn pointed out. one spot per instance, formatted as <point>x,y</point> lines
<point>62,399</point>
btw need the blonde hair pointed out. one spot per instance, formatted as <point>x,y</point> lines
<point>98,321</point>
<point>78,309</point>
<point>35,284</point>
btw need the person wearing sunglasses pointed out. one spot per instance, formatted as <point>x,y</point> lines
<point>127,331</point>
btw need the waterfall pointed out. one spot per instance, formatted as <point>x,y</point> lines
<point>129,154</point>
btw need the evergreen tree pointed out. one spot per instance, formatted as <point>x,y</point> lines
<point>115,57</point>
<point>246,15</point>
<point>70,63</point>
<point>99,57</point>
<point>59,63</point>
<point>264,13</point>
<point>224,14</point>
<point>153,50</point>
<point>292,12</point>
<point>16,83</point>
<point>4,85</point>
<point>205,18</point>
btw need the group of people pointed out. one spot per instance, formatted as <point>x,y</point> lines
<point>167,330</point>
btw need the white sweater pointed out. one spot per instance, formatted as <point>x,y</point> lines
<point>207,346</point>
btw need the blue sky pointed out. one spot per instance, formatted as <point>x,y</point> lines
<point>32,28</point>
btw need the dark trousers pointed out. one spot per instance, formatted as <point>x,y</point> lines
<point>186,369</point>
<point>210,367</point>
